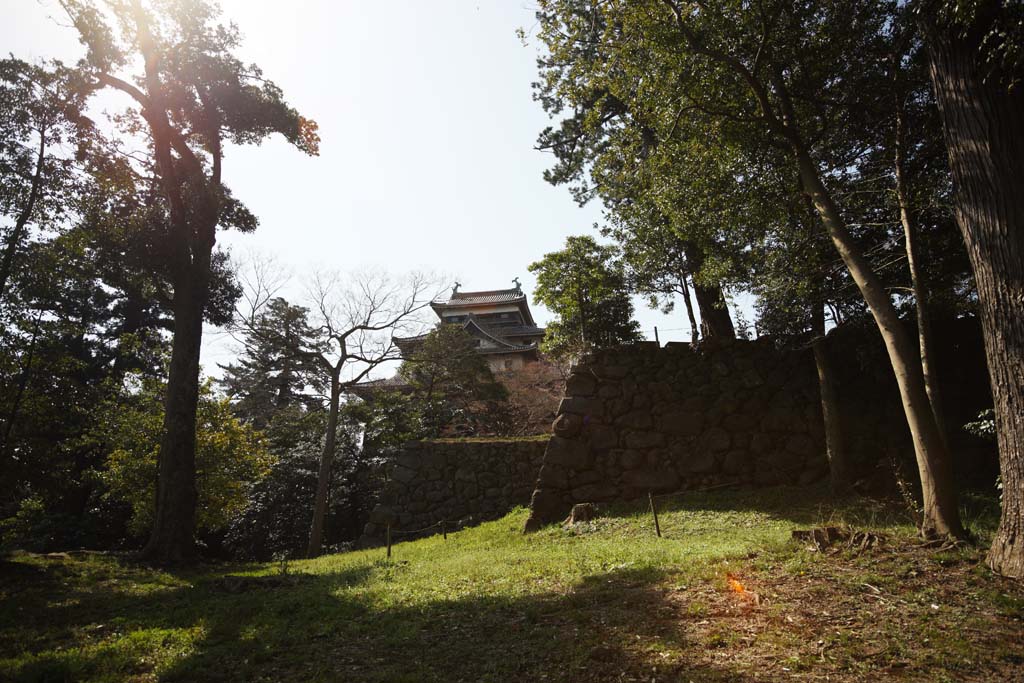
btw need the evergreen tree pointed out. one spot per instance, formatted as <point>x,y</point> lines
<point>585,286</point>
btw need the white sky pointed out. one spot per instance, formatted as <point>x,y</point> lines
<point>428,128</point>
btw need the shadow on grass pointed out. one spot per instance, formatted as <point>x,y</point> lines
<point>811,505</point>
<point>612,626</point>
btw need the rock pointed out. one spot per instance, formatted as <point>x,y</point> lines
<point>800,444</point>
<point>761,443</point>
<point>403,474</point>
<point>593,492</point>
<point>636,419</point>
<point>571,453</point>
<point>681,423</point>
<point>739,422</point>
<point>602,437</point>
<point>630,459</point>
<point>579,405</point>
<point>581,384</point>
<point>736,462</point>
<point>716,439</point>
<point>567,425</point>
<point>643,439</point>
<point>612,371</point>
<point>700,463</point>
<point>553,476</point>
<point>652,480</point>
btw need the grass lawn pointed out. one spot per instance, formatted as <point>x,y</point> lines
<point>604,601</point>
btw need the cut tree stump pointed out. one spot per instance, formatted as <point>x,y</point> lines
<point>581,512</point>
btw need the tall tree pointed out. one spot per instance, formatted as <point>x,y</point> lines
<point>356,323</point>
<point>764,75</point>
<point>190,98</point>
<point>276,370</point>
<point>453,384</point>
<point>40,111</point>
<point>585,286</point>
<point>976,52</point>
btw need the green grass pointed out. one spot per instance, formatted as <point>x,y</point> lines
<point>606,600</point>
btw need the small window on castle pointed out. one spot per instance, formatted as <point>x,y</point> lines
<point>508,364</point>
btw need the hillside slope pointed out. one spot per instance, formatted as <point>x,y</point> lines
<point>603,601</point>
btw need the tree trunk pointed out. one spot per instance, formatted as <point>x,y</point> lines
<point>984,131</point>
<point>715,321</point>
<point>20,223</point>
<point>172,540</point>
<point>323,479</point>
<point>941,513</point>
<point>838,464</point>
<point>23,379</point>
<point>685,290</point>
<point>924,325</point>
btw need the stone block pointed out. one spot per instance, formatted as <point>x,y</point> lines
<point>635,419</point>
<point>643,439</point>
<point>581,384</point>
<point>739,422</point>
<point>700,462</point>
<point>736,462</point>
<point>630,459</point>
<point>602,437</point>
<point>579,405</point>
<point>716,440</point>
<point>572,453</point>
<point>403,474</point>
<point>761,443</point>
<point>682,423</point>
<point>800,444</point>
<point>595,492</point>
<point>612,371</point>
<point>652,479</point>
<point>567,425</point>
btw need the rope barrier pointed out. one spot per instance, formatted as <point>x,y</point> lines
<point>446,525</point>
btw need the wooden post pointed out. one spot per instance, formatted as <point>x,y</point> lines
<point>444,530</point>
<point>389,540</point>
<point>654,511</point>
<point>656,340</point>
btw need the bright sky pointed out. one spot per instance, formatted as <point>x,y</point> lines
<point>428,129</point>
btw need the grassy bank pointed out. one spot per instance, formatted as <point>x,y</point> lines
<point>606,600</point>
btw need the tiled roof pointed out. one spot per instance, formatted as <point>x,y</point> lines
<point>494,296</point>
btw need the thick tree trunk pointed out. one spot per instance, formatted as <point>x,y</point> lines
<point>172,539</point>
<point>323,479</point>
<point>838,464</point>
<point>924,325</point>
<point>984,131</point>
<point>941,513</point>
<point>685,288</point>
<point>715,321</point>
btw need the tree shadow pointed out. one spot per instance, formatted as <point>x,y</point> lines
<point>610,626</point>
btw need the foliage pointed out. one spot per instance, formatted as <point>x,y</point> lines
<point>585,286</point>
<point>275,521</point>
<point>230,456</point>
<point>453,386</point>
<point>984,427</point>
<point>277,368</point>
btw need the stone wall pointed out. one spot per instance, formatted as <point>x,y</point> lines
<point>451,479</point>
<point>642,418</point>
